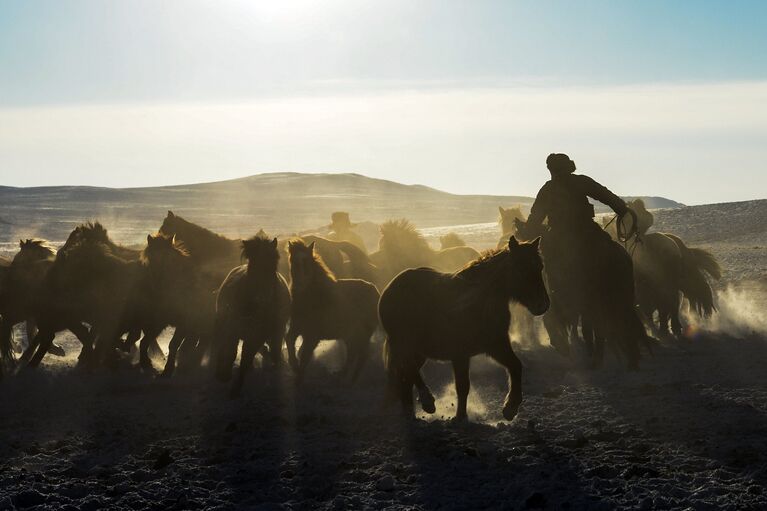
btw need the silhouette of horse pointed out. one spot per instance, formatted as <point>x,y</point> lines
<point>87,283</point>
<point>664,267</point>
<point>94,232</point>
<point>214,254</point>
<point>454,316</point>
<point>324,307</point>
<point>253,305</point>
<point>451,240</point>
<point>401,247</point>
<point>507,218</point>
<point>175,294</point>
<point>20,294</point>
<point>217,255</point>
<point>600,306</point>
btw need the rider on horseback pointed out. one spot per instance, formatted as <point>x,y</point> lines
<point>589,276</point>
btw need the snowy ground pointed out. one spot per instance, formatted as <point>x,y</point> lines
<point>688,431</point>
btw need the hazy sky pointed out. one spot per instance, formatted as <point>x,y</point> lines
<point>650,97</point>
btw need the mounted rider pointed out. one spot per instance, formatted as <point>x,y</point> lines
<point>590,277</point>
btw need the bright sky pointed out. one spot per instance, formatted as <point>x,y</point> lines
<point>649,97</point>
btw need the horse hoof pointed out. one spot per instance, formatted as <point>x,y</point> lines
<point>460,419</point>
<point>57,351</point>
<point>510,411</point>
<point>428,406</point>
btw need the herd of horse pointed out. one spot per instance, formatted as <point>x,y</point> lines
<point>265,292</point>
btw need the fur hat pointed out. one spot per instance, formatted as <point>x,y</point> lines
<point>560,163</point>
<point>340,219</point>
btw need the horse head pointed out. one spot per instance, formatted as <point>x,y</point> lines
<point>525,277</point>
<point>261,252</point>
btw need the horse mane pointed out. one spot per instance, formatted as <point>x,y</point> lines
<point>37,245</point>
<point>191,234</point>
<point>318,264</point>
<point>486,260</point>
<point>170,242</point>
<point>400,235</point>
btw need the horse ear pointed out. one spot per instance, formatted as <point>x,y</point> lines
<point>311,247</point>
<point>170,214</point>
<point>513,243</point>
<point>500,209</point>
<point>149,239</point>
<point>536,242</point>
<point>274,242</point>
<point>21,243</point>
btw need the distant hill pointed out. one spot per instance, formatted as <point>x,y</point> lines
<point>277,202</point>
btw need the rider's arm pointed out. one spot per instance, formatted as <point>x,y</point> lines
<point>603,195</point>
<point>539,209</point>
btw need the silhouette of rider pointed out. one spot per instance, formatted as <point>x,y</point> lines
<point>588,274</point>
<point>564,199</point>
<point>341,230</point>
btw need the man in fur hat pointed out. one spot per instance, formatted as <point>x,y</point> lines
<point>341,230</point>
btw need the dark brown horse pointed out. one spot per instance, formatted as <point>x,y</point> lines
<point>253,305</point>
<point>324,307</point>
<point>454,316</point>
<point>87,283</point>
<point>20,296</point>
<point>174,293</point>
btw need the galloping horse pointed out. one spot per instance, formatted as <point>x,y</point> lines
<point>664,267</point>
<point>324,307</point>
<point>454,316</point>
<point>253,304</point>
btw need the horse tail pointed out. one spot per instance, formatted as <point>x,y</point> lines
<point>696,265</point>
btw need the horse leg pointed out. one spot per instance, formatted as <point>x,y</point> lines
<point>504,355</point>
<point>462,384</point>
<point>305,354</point>
<point>143,359</point>
<point>361,350</point>
<point>275,345</point>
<point>425,396</point>
<point>250,348</point>
<point>676,324</point>
<point>290,343</point>
<point>42,341</point>
<point>83,334</point>
<point>170,362</point>
<point>6,341</point>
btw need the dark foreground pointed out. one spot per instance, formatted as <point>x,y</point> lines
<point>688,431</point>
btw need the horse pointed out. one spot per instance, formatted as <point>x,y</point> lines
<point>454,316</point>
<point>324,307</point>
<point>253,304</point>
<point>664,267</point>
<point>174,294</point>
<point>507,218</point>
<point>86,283</point>
<point>601,305</point>
<point>19,297</point>
<point>401,246</point>
<point>451,240</point>
<point>214,254</point>
<point>217,255</point>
